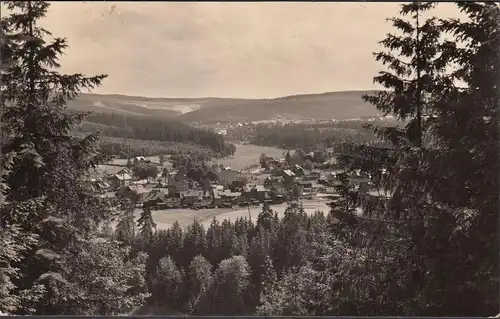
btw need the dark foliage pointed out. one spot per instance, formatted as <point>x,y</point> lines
<point>161,130</point>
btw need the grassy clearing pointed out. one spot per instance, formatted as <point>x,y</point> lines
<point>247,155</point>
<point>165,218</point>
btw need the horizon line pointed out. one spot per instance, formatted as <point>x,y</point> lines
<point>229,97</point>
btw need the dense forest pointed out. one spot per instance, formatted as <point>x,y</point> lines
<point>266,267</point>
<point>306,136</point>
<point>429,250</point>
<point>125,148</point>
<point>123,131</point>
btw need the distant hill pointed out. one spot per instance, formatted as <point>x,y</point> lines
<point>338,105</point>
<point>136,105</point>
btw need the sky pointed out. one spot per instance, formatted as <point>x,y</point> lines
<point>224,49</point>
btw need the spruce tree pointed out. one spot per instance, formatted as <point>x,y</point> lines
<point>439,172</point>
<point>15,243</point>
<point>200,278</point>
<point>269,277</point>
<point>395,230</point>
<point>146,225</point>
<point>125,229</point>
<point>464,163</point>
<point>169,290</point>
<point>48,194</point>
<point>195,243</point>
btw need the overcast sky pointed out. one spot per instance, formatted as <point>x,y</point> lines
<point>198,49</point>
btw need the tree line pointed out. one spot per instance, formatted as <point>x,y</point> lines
<point>306,136</point>
<point>150,128</point>
<point>431,249</point>
<point>126,148</point>
<point>231,268</point>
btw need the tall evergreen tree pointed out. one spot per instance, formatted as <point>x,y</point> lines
<point>269,277</point>
<point>462,161</point>
<point>146,225</point>
<point>200,278</point>
<point>15,243</point>
<point>228,293</point>
<point>414,82</point>
<point>51,165</point>
<point>417,241</point>
<point>125,229</point>
<point>214,242</point>
<point>169,289</point>
<point>194,243</point>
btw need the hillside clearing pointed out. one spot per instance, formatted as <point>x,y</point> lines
<point>248,155</point>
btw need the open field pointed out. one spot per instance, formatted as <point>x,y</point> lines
<point>248,154</point>
<point>165,218</point>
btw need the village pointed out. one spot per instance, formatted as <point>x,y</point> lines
<point>277,181</point>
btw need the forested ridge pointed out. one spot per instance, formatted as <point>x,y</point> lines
<point>307,136</point>
<point>163,131</point>
<point>431,249</point>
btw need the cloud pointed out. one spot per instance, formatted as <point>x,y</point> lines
<point>233,49</point>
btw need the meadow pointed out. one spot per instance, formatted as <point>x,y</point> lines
<point>247,156</point>
<point>165,218</point>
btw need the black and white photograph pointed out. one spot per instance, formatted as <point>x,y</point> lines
<point>251,158</point>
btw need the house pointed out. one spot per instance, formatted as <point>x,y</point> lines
<point>323,179</point>
<point>330,190</point>
<point>288,175</point>
<point>312,175</point>
<point>140,182</point>
<point>161,188</point>
<point>358,177</point>
<point>258,171</point>
<point>257,192</point>
<point>298,170</point>
<point>119,180</point>
<point>191,196</point>
<point>280,163</point>
<point>305,184</point>
<point>228,196</point>
<point>273,181</point>
<point>332,176</point>
<point>216,198</point>
<point>139,159</point>
<point>316,187</point>
<point>135,193</point>
<point>220,188</point>
<point>156,198</point>
<point>228,176</point>
<point>124,170</point>
<point>315,172</point>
